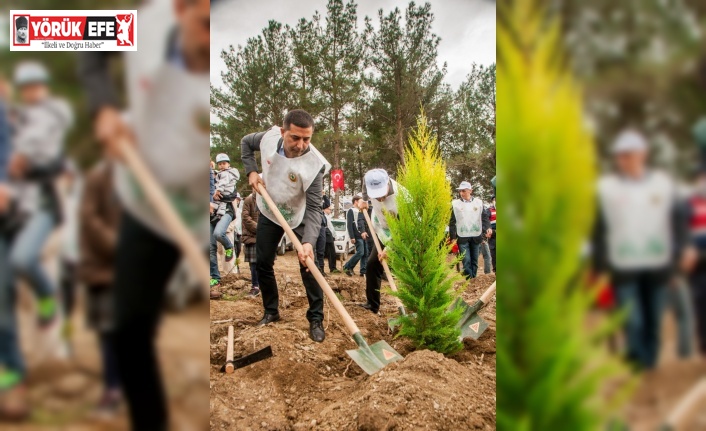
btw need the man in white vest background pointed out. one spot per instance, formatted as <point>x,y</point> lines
<point>292,173</point>
<point>469,224</point>
<point>639,237</point>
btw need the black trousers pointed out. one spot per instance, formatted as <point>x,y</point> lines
<point>373,278</point>
<point>331,253</point>
<point>144,264</point>
<point>698,291</point>
<point>491,244</point>
<point>268,236</point>
<point>321,248</point>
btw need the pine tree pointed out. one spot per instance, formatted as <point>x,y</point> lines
<point>425,278</point>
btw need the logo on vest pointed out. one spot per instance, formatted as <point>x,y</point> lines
<point>292,177</point>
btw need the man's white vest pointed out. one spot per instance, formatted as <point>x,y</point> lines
<point>638,220</point>
<point>382,229</point>
<point>287,180</point>
<point>469,222</point>
<point>169,112</point>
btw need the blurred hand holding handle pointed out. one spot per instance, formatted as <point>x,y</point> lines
<point>158,197</point>
<point>689,259</point>
<point>4,198</point>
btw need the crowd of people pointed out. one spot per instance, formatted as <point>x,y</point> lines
<point>292,172</point>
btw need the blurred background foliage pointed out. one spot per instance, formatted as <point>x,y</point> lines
<point>643,64</point>
<point>63,68</point>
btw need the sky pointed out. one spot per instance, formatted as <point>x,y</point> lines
<point>466,27</point>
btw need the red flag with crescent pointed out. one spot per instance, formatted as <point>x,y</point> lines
<point>337,179</point>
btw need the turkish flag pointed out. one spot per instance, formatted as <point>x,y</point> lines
<point>337,179</point>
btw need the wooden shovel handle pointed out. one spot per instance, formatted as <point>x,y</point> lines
<point>340,309</point>
<point>229,351</point>
<point>157,196</point>
<point>485,297</point>
<point>687,406</point>
<point>393,286</point>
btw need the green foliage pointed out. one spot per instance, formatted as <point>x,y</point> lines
<point>363,86</point>
<point>425,279</point>
<point>554,371</point>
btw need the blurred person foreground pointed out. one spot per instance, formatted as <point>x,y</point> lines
<point>86,265</point>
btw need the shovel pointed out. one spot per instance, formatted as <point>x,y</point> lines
<point>167,214</point>
<point>686,408</point>
<point>471,324</point>
<point>231,365</point>
<point>391,323</point>
<point>371,358</point>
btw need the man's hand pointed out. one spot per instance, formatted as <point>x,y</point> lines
<point>489,233</point>
<point>382,256</point>
<point>111,130</point>
<point>254,180</point>
<point>308,252</point>
<point>4,198</point>
<point>365,235</point>
<point>353,241</point>
<point>217,195</point>
<point>17,165</point>
<point>689,258</point>
<point>211,209</point>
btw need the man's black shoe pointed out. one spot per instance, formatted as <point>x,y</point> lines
<point>268,318</point>
<point>366,306</point>
<point>349,273</point>
<point>316,331</point>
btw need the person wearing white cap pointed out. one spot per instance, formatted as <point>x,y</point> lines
<point>385,191</point>
<point>292,173</point>
<point>224,213</point>
<point>640,233</point>
<point>469,224</point>
<point>32,205</point>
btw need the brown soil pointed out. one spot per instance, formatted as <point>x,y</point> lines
<point>308,385</point>
<point>661,389</point>
<point>63,393</point>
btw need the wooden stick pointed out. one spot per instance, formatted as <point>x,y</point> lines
<point>393,286</point>
<point>488,293</point>
<point>229,351</point>
<point>168,215</point>
<point>687,406</point>
<point>340,309</point>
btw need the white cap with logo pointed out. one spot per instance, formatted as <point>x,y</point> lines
<point>465,185</point>
<point>376,183</point>
<point>222,157</point>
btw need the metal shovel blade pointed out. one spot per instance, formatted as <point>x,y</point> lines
<point>470,323</point>
<point>246,360</point>
<point>393,322</point>
<point>372,358</point>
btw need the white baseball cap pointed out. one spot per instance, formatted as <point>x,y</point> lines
<point>629,141</point>
<point>31,72</point>
<point>465,185</point>
<point>377,182</point>
<point>222,157</point>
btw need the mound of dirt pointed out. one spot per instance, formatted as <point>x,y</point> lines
<point>308,385</point>
<point>426,388</point>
